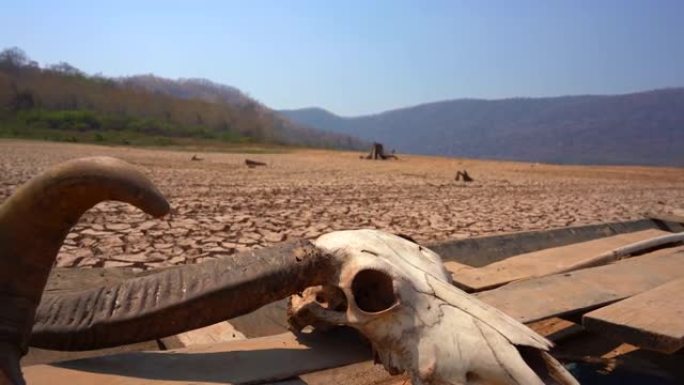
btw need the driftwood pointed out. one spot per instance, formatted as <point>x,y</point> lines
<point>253,163</point>
<point>378,152</point>
<point>464,175</point>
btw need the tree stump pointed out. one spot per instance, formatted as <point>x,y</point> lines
<point>463,175</point>
<point>378,152</point>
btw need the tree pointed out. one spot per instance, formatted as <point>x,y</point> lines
<point>66,69</point>
<point>7,91</point>
<point>22,100</point>
<point>13,58</point>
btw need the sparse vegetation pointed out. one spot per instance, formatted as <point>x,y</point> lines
<point>60,102</point>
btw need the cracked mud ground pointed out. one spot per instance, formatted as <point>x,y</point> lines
<point>219,206</point>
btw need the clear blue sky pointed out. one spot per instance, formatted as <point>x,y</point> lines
<point>358,57</point>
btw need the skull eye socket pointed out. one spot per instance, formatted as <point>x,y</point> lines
<point>373,291</point>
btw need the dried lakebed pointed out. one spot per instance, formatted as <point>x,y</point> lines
<point>219,206</point>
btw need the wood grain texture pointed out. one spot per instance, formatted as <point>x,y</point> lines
<point>652,320</point>
<point>542,262</point>
<point>567,293</point>
<point>218,332</point>
<point>482,250</point>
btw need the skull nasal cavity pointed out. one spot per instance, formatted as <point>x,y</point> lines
<point>373,291</point>
<point>332,298</point>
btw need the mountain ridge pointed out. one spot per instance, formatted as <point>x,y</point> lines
<point>635,128</point>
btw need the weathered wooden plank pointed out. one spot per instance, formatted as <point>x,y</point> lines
<point>481,251</point>
<point>556,329</point>
<point>43,356</point>
<point>543,262</point>
<point>669,217</point>
<point>247,361</point>
<point>652,320</point>
<point>362,373</point>
<point>219,332</point>
<point>567,293</point>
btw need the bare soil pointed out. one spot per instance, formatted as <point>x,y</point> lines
<point>220,206</point>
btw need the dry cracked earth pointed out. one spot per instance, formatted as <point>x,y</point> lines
<point>219,206</point>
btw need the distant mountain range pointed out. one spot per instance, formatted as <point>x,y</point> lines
<point>639,128</point>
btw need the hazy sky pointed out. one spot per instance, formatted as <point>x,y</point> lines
<point>358,57</point>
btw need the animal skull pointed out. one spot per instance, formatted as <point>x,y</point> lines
<point>394,291</point>
<point>398,294</point>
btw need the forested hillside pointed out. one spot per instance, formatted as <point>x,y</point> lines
<point>59,102</point>
<point>202,89</point>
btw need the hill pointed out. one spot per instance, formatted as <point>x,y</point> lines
<point>60,102</point>
<point>638,128</point>
<point>201,89</point>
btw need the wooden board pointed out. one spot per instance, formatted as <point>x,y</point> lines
<point>237,362</point>
<point>672,222</point>
<point>669,217</point>
<point>652,320</point>
<point>43,356</point>
<point>265,321</point>
<point>542,262</point>
<point>219,332</point>
<point>567,293</point>
<point>481,251</point>
<point>365,372</point>
<point>556,329</point>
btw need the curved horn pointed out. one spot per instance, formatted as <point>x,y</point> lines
<point>178,299</point>
<point>33,224</point>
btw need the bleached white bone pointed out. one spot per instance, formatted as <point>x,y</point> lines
<point>437,333</point>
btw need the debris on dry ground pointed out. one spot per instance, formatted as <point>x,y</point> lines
<point>378,152</point>
<point>253,163</point>
<point>463,175</point>
<point>220,207</point>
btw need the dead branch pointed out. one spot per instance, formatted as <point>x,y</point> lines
<point>253,163</point>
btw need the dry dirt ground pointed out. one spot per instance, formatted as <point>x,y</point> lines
<point>219,206</point>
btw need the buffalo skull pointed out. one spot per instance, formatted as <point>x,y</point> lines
<point>392,290</point>
<point>398,294</point>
